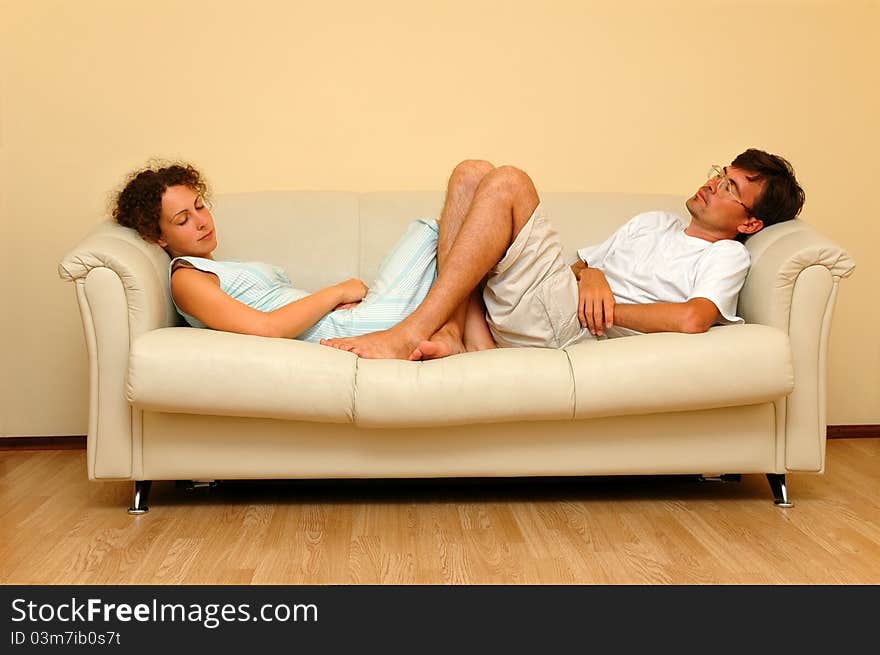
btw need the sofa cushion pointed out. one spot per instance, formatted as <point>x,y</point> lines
<point>724,367</point>
<point>196,371</point>
<point>507,384</point>
<point>192,371</point>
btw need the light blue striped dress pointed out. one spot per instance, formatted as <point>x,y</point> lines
<point>405,277</point>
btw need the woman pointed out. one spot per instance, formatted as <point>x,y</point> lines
<point>166,206</point>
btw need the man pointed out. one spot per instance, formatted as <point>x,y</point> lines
<point>652,275</point>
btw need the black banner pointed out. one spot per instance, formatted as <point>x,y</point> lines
<point>407,619</point>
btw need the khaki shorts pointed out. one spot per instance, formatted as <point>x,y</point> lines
<point>531,295</point>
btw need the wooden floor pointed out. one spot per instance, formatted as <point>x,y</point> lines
<point>56,527</point>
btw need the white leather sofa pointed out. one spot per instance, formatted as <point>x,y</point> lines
<point>170,402</point>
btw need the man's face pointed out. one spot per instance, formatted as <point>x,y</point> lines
<point>720,208</point>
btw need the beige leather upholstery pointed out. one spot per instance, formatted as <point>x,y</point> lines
<point>792,285</point>
<point>208,372</point>
<point>185,446</point>
<point>485,387</point>
<point>724,367</point>
<point>168,401</point>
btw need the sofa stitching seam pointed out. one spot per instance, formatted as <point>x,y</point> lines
<point>354,393</point>
<point>97,386</point>
<point>573,395</point>
<point>788,326</point>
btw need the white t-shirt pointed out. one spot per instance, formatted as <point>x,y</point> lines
<point>650,259</point>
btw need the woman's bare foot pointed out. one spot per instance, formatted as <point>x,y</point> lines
<point>339,344</point>
<point>444,343</point>
<point>387,344</point>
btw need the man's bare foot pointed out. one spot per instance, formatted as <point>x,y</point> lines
<point>444,343</point>
<point>479,341</point>
<point>387,344</point>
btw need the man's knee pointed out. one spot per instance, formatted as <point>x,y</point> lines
<point>514,185</point>
<point>471,172</point>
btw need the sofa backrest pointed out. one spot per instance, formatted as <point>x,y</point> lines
<point>322,237</point>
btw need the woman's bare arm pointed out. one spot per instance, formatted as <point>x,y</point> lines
<point>198,294</point>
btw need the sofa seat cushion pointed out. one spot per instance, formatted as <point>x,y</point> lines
<point>724,367</point>
<point>186,370</point>
<point>507,384</point>
<point>194,371</point>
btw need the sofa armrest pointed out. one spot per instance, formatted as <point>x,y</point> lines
<point>122,291</point>
<point>141,267</point>
<point>792,285</point>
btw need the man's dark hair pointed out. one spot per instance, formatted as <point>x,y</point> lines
<point>782,196</point>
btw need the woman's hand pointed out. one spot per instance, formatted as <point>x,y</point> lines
<point>595,301</point>
<point>351,291</point>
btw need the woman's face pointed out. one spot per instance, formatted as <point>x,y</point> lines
<point>186,225</point>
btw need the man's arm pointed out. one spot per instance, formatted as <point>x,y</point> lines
<point>694,316</point>
<point>595,306</point>
<point>597,309</point>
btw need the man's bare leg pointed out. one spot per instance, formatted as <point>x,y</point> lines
<point>460,190</point>
<point>476,335</point>
<point>451,338</point>
<point>503,203</point>
<point>476,331</point>
<point>511,192</point>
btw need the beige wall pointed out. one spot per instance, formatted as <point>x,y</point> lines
<point>586,96</point>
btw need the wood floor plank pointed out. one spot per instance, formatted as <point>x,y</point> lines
<point>56,527</point>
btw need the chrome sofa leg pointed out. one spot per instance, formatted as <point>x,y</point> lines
<point>780,494</point>
<point>141,493</point>
<point>724,477</point>
<point>193,485</point>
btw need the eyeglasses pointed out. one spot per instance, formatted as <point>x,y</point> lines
<point>725,186</point>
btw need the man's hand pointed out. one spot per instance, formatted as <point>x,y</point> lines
<point>595,301</point>
<point>578,268</point>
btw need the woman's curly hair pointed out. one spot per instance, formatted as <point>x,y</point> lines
<point>139,204</point>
